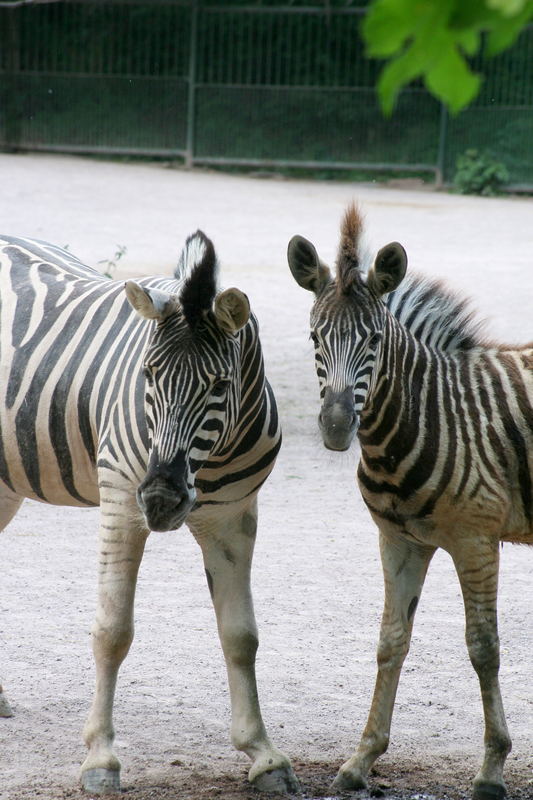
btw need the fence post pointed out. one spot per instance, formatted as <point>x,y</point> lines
<point>441,152</point>
<point>191,97</point>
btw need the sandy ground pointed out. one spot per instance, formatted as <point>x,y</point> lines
<point>317,578</point>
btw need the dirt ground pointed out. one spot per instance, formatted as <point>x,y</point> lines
<point>317,578</point>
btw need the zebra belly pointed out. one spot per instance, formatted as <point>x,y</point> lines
<point>518,527</point>
<point>41,465</point>
<point>499,515</point>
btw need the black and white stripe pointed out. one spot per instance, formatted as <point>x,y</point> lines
<point>445,424</point>
<point>152,403</point>
<point>74,369</point>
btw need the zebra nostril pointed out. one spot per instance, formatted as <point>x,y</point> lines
<point>179,500</point>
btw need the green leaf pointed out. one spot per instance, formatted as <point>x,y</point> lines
<point>387,26</point>
<point>451,80</point>
<point>473,15</point>
<point>429,38</point>
<point>504,33</point>
<point>468,40</point>
<point>507,7</point>
<point>396,74</point>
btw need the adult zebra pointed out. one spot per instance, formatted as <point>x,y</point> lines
<point>445,424</point>
<point>158,410</point>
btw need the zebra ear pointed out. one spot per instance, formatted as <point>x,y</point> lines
<point>388,270</point>
<point>232,310</point>
<point>307,269</point>
<point>150,303</point>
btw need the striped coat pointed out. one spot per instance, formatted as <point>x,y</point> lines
<point>445,424</point>
<point>153,403</point>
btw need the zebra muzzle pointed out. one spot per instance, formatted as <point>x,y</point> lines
<point>165,505</point>
<point>338,420</point>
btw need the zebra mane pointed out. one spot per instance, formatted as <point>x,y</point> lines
<point>428,309</point>
<point>348,257</point>
<point>197,270</point>
<point>435,314</point>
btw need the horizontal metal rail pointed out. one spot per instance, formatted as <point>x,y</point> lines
<point>88,149</point>
<point>382,166</point>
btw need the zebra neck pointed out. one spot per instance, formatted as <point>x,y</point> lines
<point>390,421</point>
<point>251,414</point>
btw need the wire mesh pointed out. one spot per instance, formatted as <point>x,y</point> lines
<point>241,83</point>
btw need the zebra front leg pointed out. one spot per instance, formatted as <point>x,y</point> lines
<point>477,565</point>
<point>227,548</point>
<point>404,569</point>
<point>121,549</point>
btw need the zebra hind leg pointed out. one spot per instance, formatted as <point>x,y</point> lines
<point>477,565</point>
<point>9,505</point>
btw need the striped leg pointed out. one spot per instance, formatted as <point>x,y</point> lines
<point>227,548</point>
<point>9,505</point>
<point>477,564</point>
<point>404,568</point>
<point>121,549</point>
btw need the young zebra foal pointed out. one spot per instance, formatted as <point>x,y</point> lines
<point>445,424</point>
<point>152,403</point>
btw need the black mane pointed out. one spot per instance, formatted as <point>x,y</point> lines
<point>198,261</point>
<point>435,314</point>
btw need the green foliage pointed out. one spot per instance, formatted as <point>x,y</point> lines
<point>479,173</point>
<point>277,86</point>
<point>433,40</point>
<point>112,263</point>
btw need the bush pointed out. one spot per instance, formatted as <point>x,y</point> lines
<point>479,173</point>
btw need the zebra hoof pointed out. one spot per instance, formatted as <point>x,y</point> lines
<point>489,791</point>
<point>5,708</point>
<point>347,781</point>
<point>101,781</point>
<point>277,781</point>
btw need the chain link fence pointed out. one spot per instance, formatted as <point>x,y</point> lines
<point>241,84</point>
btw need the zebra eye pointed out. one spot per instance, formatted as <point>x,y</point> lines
<point>374,340</point>
<point>219,387</point>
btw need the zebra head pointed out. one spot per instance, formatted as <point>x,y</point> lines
<point>347,320</point>
<point>193,379</point>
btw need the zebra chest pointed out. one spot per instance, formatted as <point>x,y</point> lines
<point>401,517</point>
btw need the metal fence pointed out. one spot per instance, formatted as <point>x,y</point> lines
<point>265,85</point>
